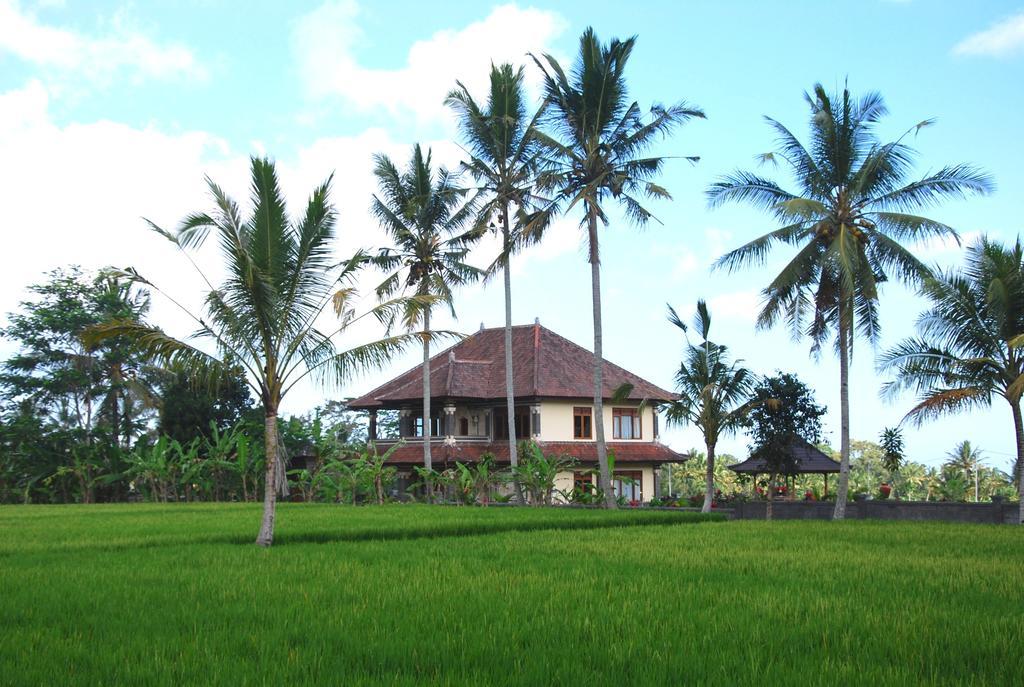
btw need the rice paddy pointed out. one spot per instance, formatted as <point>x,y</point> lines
<point>396,595</point>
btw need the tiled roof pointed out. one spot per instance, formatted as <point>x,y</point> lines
<point>545,365</point>
<point>583,451</point>
<point>809,459</point>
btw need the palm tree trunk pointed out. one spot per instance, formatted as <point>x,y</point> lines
<point>266,536</point>
<point>510,398</point>
<point>709,480</point>
<point>428,462</point>
<point>771,497</point>
<point>1018,425</point>
<point>595,285</point>
<point>844,416</point>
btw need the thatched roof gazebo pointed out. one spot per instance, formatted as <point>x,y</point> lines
<point>808,459</point>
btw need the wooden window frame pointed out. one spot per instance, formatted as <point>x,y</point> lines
<point>636,423</point>
<point>638,482</point>
<point>583,412</point>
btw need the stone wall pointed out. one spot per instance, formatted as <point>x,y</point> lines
<point>883,510</point>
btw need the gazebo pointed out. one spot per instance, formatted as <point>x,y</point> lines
<point>809,460</point>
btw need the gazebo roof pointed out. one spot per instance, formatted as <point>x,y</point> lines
<point>809,460</point>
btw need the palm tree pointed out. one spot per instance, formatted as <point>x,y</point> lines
<point>965,459</point>
<point>714,393</point>
<point>281,276</point>
<point>968,351</point>
<point>503,155</point>
<point>851,210</point>
<point>596,156</point>
<point>425,214</point>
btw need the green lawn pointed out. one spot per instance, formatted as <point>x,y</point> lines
<point>168,595</point>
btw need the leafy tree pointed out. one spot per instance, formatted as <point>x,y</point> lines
<point>597,156</point>
<point>714,391</point>
<point>968,351</point>
<point>503,160</point>
<point>849,214</point>
<point>426,215</point>
<point>280,277</point>
<point>188,411</point>
<point>783,412</point>
<point>106,388</point>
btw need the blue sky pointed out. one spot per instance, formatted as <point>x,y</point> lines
<point>110,111</point>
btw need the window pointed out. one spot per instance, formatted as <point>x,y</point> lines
<point>625,423</point>
<point>435,425</point>
<point>582,483</point>
<point>463,426</point>
<point>582,419</point>
<point>628,485</point>
<point>522,423</point>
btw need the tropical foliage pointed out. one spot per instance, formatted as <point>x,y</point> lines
<point>853,205</point>
<point>281,275</point>
<point>596,154</point>
<point>968,349</point>
<point>714,391</point>
<point>425,214</point>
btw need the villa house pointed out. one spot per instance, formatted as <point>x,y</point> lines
<point>553,382</point>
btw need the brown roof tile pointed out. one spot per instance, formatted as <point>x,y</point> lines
<point>545,365</point>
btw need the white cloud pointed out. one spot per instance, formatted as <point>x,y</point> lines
<point>741,306</point>
<point>123,50</point>
<point>325,39</point>
<point>1002,39</point>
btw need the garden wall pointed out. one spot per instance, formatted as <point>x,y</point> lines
<point>883,510</point>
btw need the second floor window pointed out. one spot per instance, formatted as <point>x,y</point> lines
<point>625,423</point>
<point>582,423</point>
<point>522,423</point>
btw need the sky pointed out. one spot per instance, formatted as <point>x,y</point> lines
<point>114,111</point>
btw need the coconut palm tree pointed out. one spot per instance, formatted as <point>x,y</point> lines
<point>503,155</point>
<point>852,208</point>
<point>281,275</point>
<point>968,351</point>
<point>596,156</point>
<point>714,392</point>
<point>426,215</point>
<point>966,460</point>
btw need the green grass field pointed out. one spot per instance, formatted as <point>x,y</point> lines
<point>169,595</point>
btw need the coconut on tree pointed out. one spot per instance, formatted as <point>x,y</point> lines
<point>426,216</point>
<point>281,277</point>
<point>852,206</point>
<point>970,345</point>
<point>595,156</point>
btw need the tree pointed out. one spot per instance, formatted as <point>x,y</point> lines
<point>714,392</point>
<point>892,450</point>
<point>783,411</point>
<point>281,276</point>
<point>968,349</point>
<point>188,411</point>
<point>426,215</point>
<point>851,211</point>
<point>965,460</point>
<point>597,156</point>
<point>503,160</point>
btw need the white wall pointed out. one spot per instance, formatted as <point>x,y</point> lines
<point>556,421</point>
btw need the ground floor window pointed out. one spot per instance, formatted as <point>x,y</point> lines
<point>628,485</point>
